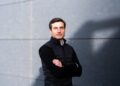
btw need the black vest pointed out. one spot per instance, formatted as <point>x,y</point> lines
<point>63,52</point>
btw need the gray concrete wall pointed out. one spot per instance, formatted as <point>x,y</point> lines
<point>93,29</point>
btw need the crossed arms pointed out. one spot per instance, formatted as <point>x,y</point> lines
<point>57,68</point>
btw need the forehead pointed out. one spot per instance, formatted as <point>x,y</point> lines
<point>57,24</point>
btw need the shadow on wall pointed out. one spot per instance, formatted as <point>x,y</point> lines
<point>101,67</point>
<point>39,81</point>
<point>99,55</point>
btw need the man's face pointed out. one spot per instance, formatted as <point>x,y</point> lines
<point>58,30</point>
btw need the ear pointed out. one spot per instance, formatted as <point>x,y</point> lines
<point>50,31</point>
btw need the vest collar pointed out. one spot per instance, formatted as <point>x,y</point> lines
<point>57,41</point>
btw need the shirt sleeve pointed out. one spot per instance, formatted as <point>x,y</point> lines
<point>78,68</point>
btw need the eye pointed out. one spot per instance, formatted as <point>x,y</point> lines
<point>55,28</point>
<point>62,28</point>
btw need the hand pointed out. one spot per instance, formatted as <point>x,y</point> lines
<point>57,62</point>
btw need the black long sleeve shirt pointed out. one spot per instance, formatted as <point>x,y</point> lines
<point>65,53</point>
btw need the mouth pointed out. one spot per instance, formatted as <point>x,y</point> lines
<point>59,34</point>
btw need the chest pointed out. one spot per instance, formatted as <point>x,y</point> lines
<point>64,53</point>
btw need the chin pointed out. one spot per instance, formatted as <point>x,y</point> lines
<point>59,37</point>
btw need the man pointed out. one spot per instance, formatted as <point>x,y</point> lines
<point>59,60</point>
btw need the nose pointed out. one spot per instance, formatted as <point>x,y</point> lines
<point>58,30</point>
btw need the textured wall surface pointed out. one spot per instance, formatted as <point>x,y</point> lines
<point>93,29</point>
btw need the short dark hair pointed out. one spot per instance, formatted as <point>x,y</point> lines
<point>56,20</point>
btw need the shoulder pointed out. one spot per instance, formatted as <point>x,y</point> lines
<point>69,46</point>
<point>46,51</point>
<point>45,47</point>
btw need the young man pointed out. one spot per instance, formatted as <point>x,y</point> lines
<point>59,60</point>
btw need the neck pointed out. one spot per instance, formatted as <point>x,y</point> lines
<point>59,41</point>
